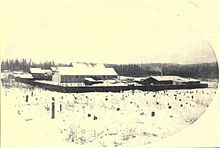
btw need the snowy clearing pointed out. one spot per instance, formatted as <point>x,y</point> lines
<point>103,119</point>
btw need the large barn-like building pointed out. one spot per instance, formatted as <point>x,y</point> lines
<point>79,72</point>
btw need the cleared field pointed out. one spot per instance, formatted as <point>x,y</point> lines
<point>106,119</point>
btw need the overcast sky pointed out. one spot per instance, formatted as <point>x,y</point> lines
<point>106,31</point>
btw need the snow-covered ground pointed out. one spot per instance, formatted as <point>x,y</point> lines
<point>97,118</point>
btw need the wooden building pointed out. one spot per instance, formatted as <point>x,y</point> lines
<point>166,80</point>
<point>81,71</point>
<point>41,74</point>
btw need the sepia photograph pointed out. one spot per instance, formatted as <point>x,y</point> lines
<point>107,73</point>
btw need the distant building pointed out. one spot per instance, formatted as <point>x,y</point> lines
<point>80,71</point>
<point>166,80</point>
<point>41,74</point>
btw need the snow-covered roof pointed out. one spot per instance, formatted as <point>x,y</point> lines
<point>140,78</point>
<point>18,72</point>
<point>24,76</point>
<point>6,71</point>
<point>39,70</point>
<point>87,65</point>
<point>92,80</point>
<point>91,71</point>
<point>53,68</point>
<point>174,78</point>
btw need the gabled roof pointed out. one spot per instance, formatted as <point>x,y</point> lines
<point>53,68</point>
<point>91,71</point>
<point>39,70</point>
<point>87,65</point>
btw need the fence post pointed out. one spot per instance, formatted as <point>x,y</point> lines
<point>26,100</point>
<point>133,91</point>
<point>53,108</point>
<point>60,107</point>
<point>61,104</point>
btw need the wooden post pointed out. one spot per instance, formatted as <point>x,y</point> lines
<point>60,107</point>
<point>152,114</point>
<point>26,98</point>
<point>53,108</point>
<point>61,103</point>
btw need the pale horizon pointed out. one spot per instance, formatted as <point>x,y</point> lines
<point>68,62</point>
<point>104,32</point>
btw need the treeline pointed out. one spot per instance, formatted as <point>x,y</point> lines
<point>25,65</point>
<point>204,70</point>
<point>136,70</point>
